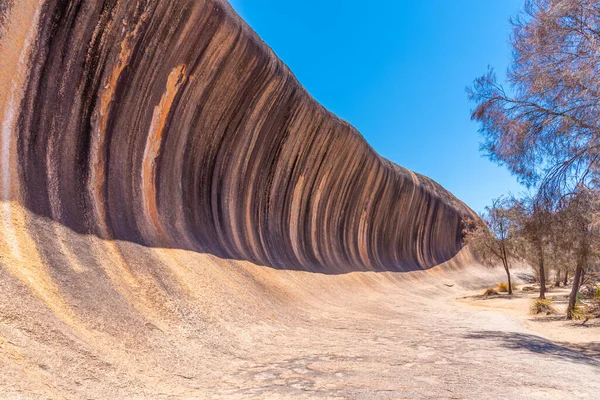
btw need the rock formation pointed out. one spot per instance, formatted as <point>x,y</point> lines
<point>171,124</point>
<point>167,192</point>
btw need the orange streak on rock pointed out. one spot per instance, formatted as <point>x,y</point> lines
<point>159,118</point>
<point>98,146</point>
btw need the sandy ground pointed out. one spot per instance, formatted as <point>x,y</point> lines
<point>389,340</point>
<point>82,318</point>
<point>577,335</point>
<point>418,348</point>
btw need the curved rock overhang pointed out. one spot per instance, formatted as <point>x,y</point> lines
<point>171,124</point>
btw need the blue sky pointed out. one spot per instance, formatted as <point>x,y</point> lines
<point>397,71</point>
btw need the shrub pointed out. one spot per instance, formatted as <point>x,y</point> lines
<point>503,287</point>
<point>542,306</point>
<point>588,292</point>
<point>578,312</point>
<point>490,292</point>
<point>597,293</point>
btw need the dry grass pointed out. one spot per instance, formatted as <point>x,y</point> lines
<point>503,287</point>
<point>542,306</point>
<point>578,312</point>
<point>490,292</point>
<point>593,309</point>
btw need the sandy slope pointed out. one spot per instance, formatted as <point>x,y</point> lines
<point>179,324</point>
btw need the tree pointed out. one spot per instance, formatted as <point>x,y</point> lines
<point>581,214</point>
<point>546,129</point>
<point>491,238</point>
<point>533,227</point>
<point>560,245</point>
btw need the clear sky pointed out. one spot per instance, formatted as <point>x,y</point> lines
<point>397,71</point>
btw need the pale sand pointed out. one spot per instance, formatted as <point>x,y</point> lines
<point>572,334</point>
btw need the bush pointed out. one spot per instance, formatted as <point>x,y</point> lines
<point>589,292</point>
<point>490,292</point>
<point>503,287</point>
<point>593,309</point>
<point>542,306</point>
<point>597,293</point>
<point>578,312</point>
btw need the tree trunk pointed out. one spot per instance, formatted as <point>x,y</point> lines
<point>566,281</point>
<point>582,280</point>
<point>542,281</point>
<point>542,274</point>
<point>507,269</point>
<point>557,282</point>
<point>574,290</point>
<point>510,292</point>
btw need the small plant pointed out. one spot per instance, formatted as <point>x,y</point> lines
<point>578,312</point>
<point>490,292</point>
<point>597,293</point>
<point>542,306</point>
<point>503,287</point>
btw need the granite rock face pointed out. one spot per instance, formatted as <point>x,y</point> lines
<point>171,124</point>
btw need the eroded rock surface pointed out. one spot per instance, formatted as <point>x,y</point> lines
<point>171,124</point>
